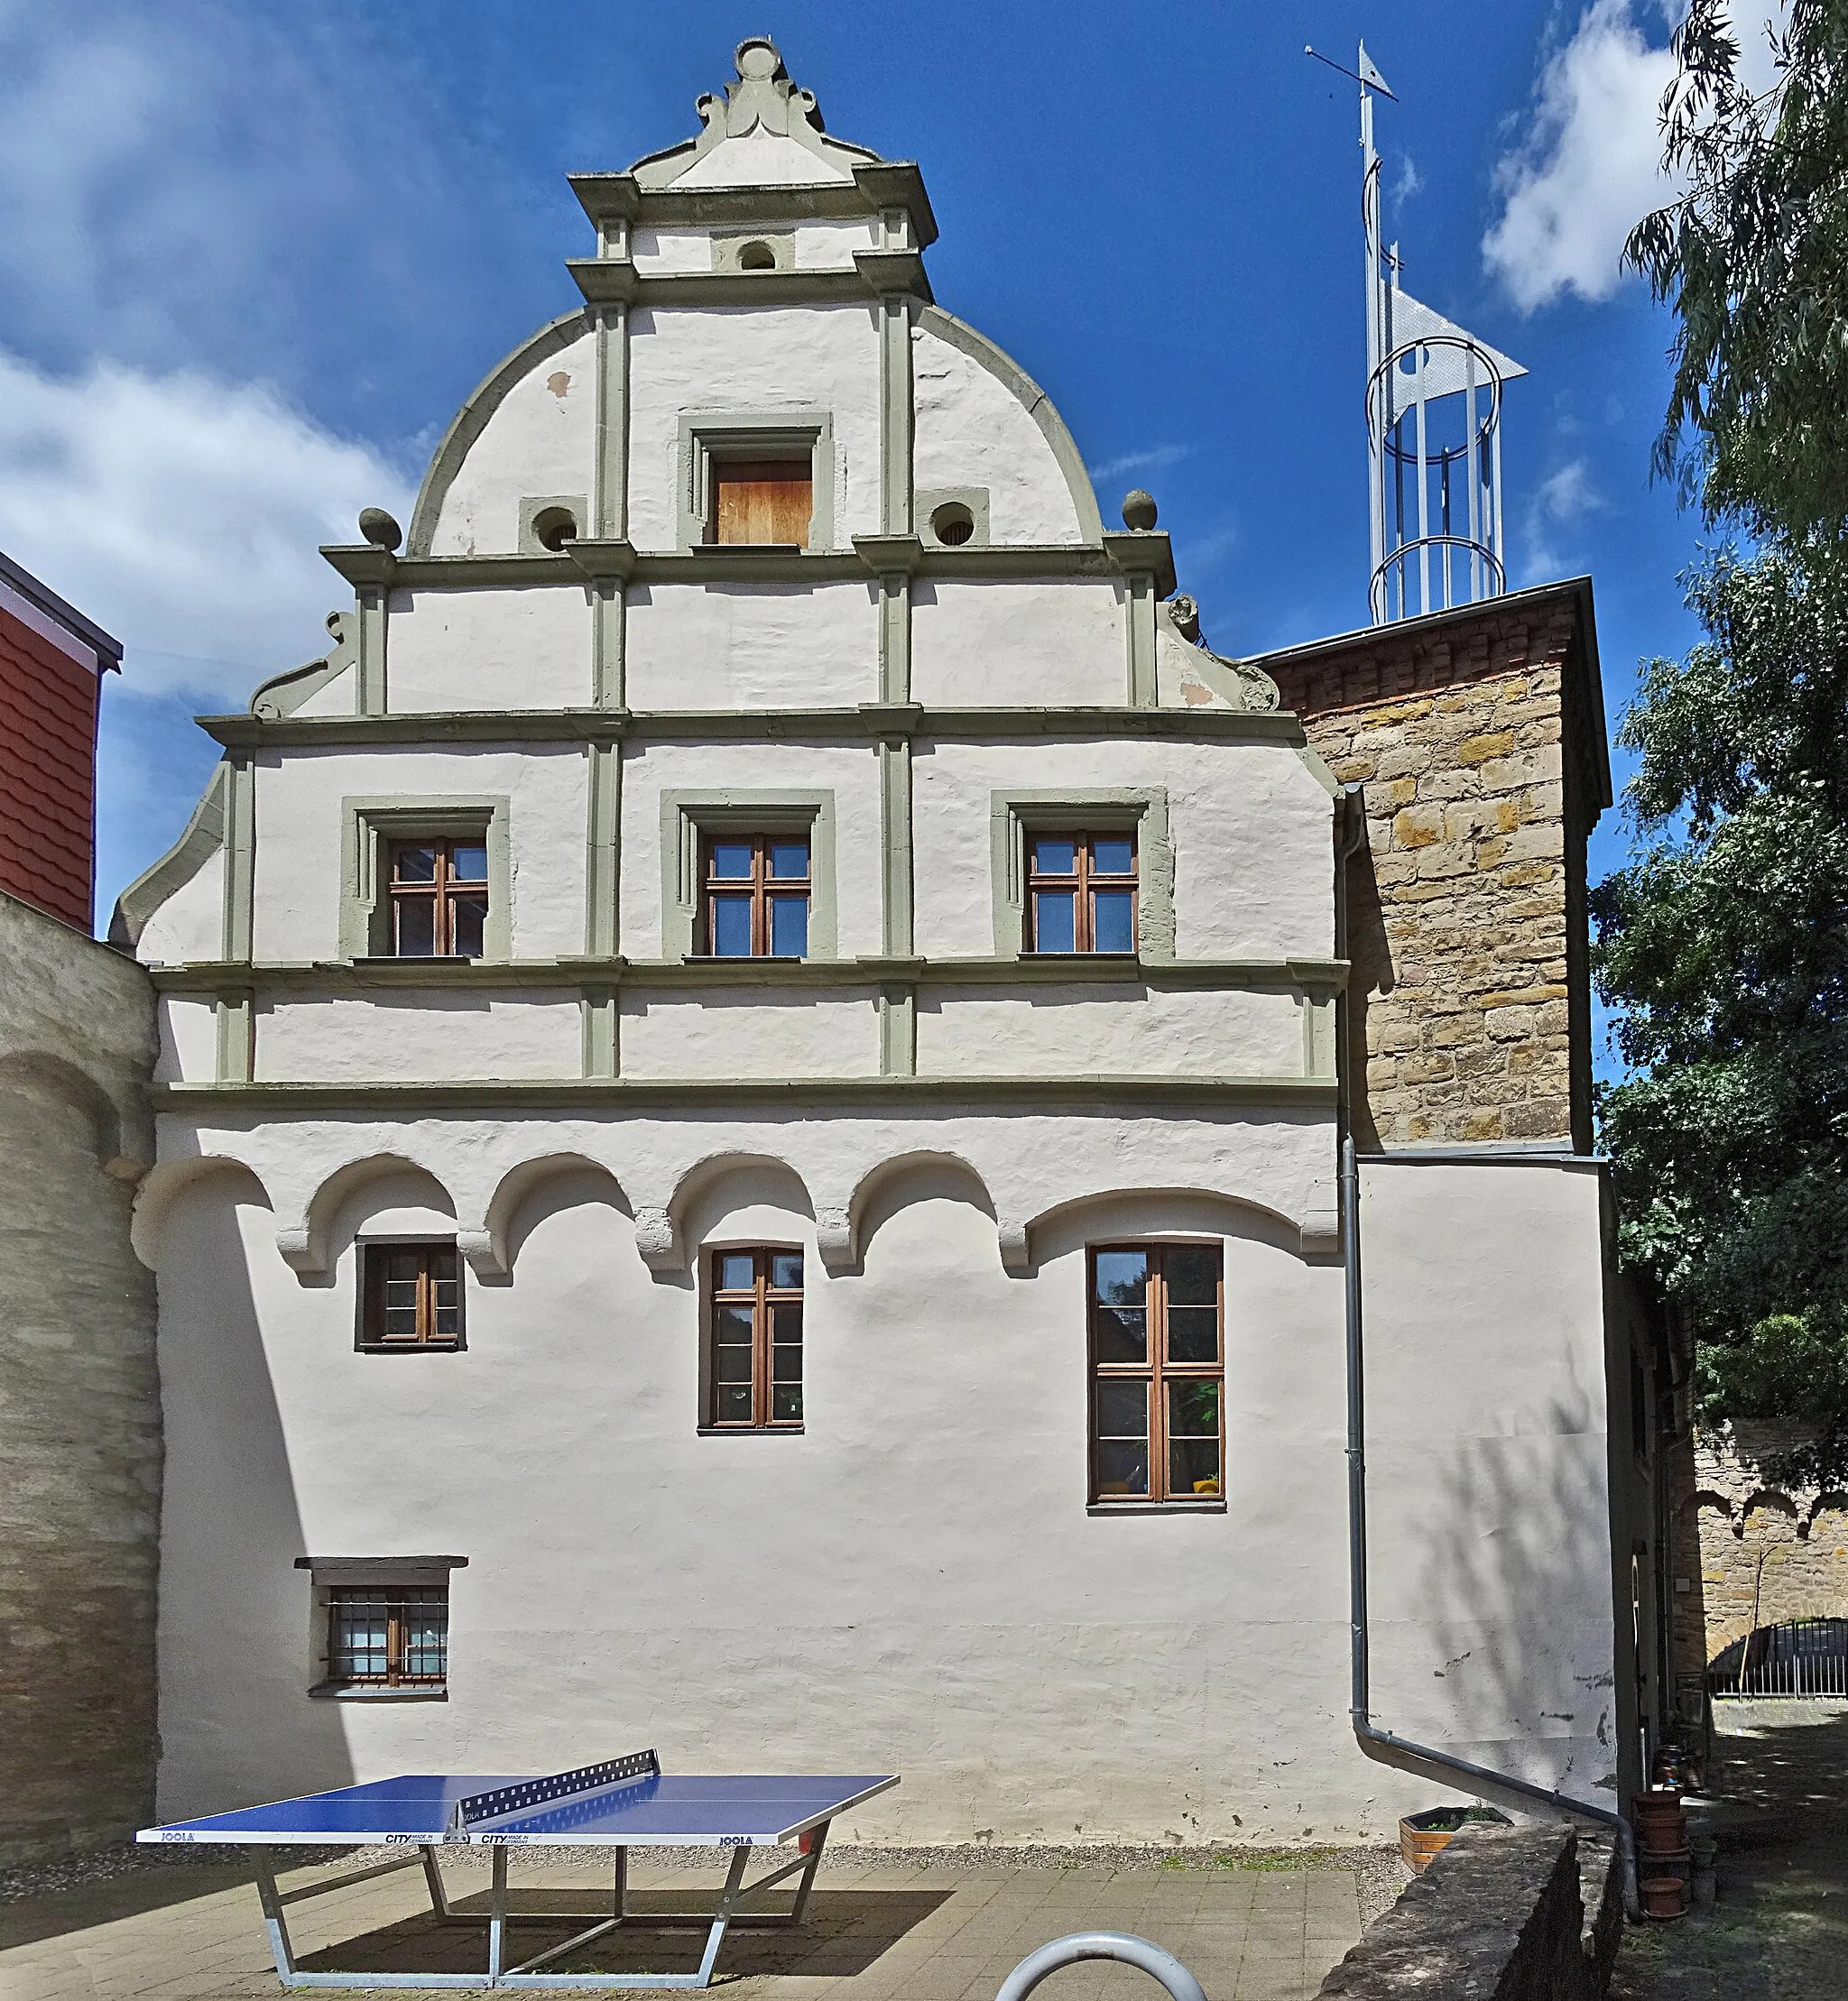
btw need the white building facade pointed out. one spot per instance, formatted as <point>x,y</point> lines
<point>749,1123</point>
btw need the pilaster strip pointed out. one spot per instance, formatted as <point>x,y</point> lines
<point>609,636</point>
<point>597,1012</point>
<point>611,471</point>
<point>373,623</point>
<point>895,414</point>
<point>602,872</point>
<point>236,932</point>
<point>894,636</point>
<point>898,1031</point>
<point>1141,614</point>
<point>895,841</point>
<point>235,1020</point>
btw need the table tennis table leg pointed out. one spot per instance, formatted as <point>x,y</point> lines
<point>497,1915</point>
<point>274,1920</point>
<point>622,1900</point>
<point>817,1841</point>
<point>721,1917</point>
<point>439,1895</point>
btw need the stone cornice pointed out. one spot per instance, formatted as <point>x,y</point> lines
<point>869,972</point>
<point>618,282</point>
<point>867,724</point>
<point>619,197</point>
<point>566,1095</point>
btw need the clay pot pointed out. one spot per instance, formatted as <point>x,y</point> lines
<point>1661,1827</point>
<point>1663,1897</point>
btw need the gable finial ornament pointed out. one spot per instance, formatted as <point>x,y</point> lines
<point>763,96</point>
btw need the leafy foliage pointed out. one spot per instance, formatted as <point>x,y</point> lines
<point>1754,260</point>
<point>1724,949</point>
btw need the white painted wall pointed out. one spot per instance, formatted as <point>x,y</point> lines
<point>539,441</point>
<point>996,644</point>
<point>804,1032</point>
<point>1106,1030</point>
<point>972,431</point>
<point>383,1036</point>
<point>190,923</point>
<point>515,649</point>
<point>733,645</point>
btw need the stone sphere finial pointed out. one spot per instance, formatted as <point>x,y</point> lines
<point>758,60</point>
<point>1138,509</point>
<point>379,529</point>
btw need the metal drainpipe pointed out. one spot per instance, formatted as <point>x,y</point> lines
<point>1389,1748</point>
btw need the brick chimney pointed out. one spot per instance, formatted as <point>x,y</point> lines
<point>1477,738</point>
<point>52,660</point>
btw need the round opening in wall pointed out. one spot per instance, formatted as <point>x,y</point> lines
<point>553,527</point>
<point>952,524</point>
<point>755,256</point>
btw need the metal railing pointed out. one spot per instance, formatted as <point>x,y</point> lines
<point>1795,1657</point>
<point>1125,1946</point>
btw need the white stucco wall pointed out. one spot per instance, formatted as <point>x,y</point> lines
<point>1049,1030</point>
<point>734,645</point>
<point>807,1032</point>
<point>189,925</point>
<point>383,1036</point>
<point>992,644</point>
<point>757,360</point>
<point>519,649</point>
<point>539,441</point>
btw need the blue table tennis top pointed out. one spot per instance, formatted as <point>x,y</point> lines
<point>721,1812</point>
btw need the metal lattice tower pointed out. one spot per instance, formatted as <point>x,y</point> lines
<point>1433,431</point>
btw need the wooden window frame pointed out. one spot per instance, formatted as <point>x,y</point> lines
<point>369,1337</point>
<point>761,1299</point>
<point>1157,1372</point>
<point>443,891</point>
<point>762,887</point>
<point>761,461</point>
<point>1082,884</point>
<point>397,1600</point>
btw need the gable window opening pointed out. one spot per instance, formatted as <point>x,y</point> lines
<point>757,1359</point>
<point>410,1297</point>
<point>1158,1373</point>
<point>1081,893</point>
<point>756,894</point>
<point>388,1636</point>
<point>438,895</point>
<point>760,502</point>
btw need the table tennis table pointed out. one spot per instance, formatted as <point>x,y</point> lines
<point>623,1802</point>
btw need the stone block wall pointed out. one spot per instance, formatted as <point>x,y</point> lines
<point>79,1408</point>
<point>1477,738</point>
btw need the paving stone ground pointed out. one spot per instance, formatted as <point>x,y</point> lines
<point>1779,1929</point>
<point>878,1931</point>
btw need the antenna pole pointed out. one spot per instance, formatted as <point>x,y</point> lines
<point>1377,392</point>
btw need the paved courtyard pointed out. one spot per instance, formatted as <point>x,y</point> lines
<point>934,1929</point>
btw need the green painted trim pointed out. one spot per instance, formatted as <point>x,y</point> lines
<point>895,638</point>
<point>896,919</point>
<point>1034,401</point>
<point>898,1031</point>
<point>532,505</point>
<point>896,425</point>
<point>546,1095</point>
<point>471,419</point>
<point>927,500</point>
<point>603,876</point>
<point>607,281</point>
<point>373,631</point>
<point>765,432</point>
<point>1138,641</point>
<point>234,1037</point>
<point>610,515</point>
<point>1318,1033</point>
<point>367,823</point>
<point>1013,814</point>
<point>600,1017</point>
<point>686,815</point>
<point>609,643</point>
<point>875,185</point>
<point>203,837</point>
<point>236,940</point>
<point>834,725</point>
<point>1317,977</point>
<point>1143,552</point>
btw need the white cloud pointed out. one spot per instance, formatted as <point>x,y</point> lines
<point>183,515</point>
<point>1558,510</point>
<point>1152,460</point>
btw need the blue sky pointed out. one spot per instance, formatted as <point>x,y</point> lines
<point>254,254</point>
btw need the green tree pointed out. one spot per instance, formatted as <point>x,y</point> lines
<point>1723,950</point>
<point>1754,260</point>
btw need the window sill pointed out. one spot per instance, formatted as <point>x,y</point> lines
<point>339,1692</point>
<point>409,1347</point>
<point>748,1430</point>
<point>743,958</point>
<point>1085,958</point>
<point>1203,1506</point>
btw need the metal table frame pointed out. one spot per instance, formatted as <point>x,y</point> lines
<point>732,1900</point>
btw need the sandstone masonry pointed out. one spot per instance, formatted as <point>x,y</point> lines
<point>1476,738</point>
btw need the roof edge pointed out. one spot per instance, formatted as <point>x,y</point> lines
<point>46,600</point>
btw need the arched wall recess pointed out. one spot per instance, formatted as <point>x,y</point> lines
<point>121,1135</point>
<point>661,1228</point>
<point>168,1185</point>
<point>1236,1214</point>
<point>304,1244</point>
<point>488,1246</point>
<point>844,1246</point>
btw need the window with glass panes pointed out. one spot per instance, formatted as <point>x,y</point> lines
<point>438,895</point>
<point>1157,1372</point>
<point>412,1296</point>
<point>1081,893</point>
<point>757,1369</point>
<point>756,892</point>
<point>388,1636</point>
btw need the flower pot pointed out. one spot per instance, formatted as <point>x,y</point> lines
<point>1663,1897</point>
<point>1421,1835</point>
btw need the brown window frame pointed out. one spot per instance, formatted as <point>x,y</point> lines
<point>399,1600</point>
<point>1156,1370</point>
<point>768,468</point>
<point>762,887</point>
<point>370,1337</point>
<point>1083,885</point>
<point>445,890</point>
<point>761,1299</point>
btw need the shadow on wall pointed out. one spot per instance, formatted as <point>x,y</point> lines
<point>236,1652</point>
<point>1513,1666</point>
<point>1370,953</point>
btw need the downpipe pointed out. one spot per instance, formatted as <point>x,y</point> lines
<point>1385,1745</point>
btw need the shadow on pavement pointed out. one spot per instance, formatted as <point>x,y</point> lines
<point>52,1914</point>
